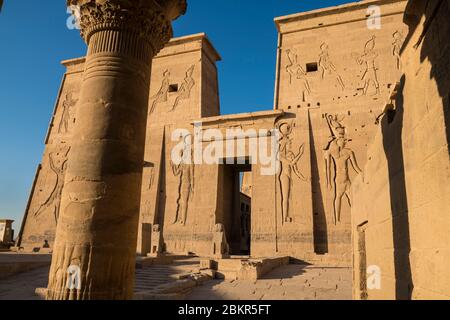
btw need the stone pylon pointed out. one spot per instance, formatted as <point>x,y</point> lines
<point>95,245</point>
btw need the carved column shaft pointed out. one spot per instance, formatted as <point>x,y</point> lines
<point>97,230</point>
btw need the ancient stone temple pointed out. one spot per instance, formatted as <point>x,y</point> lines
<point>333,78</point>
<point>326,199</point>
<point>401,211</point>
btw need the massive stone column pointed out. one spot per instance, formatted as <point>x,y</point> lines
<point>94,251</point>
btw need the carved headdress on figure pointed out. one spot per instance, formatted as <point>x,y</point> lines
<point>336,127</point>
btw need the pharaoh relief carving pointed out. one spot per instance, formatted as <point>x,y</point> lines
<point>397,46</point>
<point>184,170</point>
<point>163,92</point>
<point>288,164</point>
<point>327,67</point>
<point>337,158</point>
<point>185,90</point>
<point>368,60</point>
<point>296,71</point>
<point>67,114</point>
<point>58,165</point>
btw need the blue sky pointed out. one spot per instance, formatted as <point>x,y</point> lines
<point>34,39</point>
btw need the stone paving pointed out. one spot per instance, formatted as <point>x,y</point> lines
<point>22,286</point>
<point>153,276</point>
<point>291,282</point>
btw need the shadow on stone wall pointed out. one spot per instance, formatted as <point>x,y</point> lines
<point>320,230</point>
<point>162,195</point>
<point>392,128</point>
<point>434,44</point>
<point>436,49</point>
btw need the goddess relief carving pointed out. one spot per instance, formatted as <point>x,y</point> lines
<point>185,173</point>
<point>327,66</point>
<point>337,157</point>
<point>295,70</point>
<point>368,59</point>
<point>288,163</point>
<point>162,94</point>
<point>185,90</point>
<point>67,114</point>
<point>58,165</point>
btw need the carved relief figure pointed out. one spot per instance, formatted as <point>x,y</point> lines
<point>397,46</point>
<point>151,178</point>
<point>328,67</point>
<point>67,112</point>
<point>58,165</point>
<point>156,240</point>
<point>245,229</point>
<point>288,163</point>
<point>220,247</point>
<point>368,59</point>
<point>185,171</point>
<point>291,67</point>
<point>186,88</point>
<point>294,69</point>
<point>337,157</point>
<point>336,128</point>
<point>163,92</point>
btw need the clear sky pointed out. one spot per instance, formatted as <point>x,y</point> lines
<point>34,39</point>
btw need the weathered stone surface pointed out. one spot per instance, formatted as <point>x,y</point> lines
<point>98,212</point>
<point>293,211</point>
<point>357,180</point>
<point>292,282</point>
<point>406,234</point>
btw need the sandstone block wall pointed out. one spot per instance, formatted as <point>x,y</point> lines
<point>42,210</point>
<point>403,204</point>
<point>331,64</point>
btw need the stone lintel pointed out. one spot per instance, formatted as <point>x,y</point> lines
<point>240,117</point>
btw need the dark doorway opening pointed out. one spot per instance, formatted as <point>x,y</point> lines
<point>234,206</point>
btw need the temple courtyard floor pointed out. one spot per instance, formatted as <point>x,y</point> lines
<point>289,282</point>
